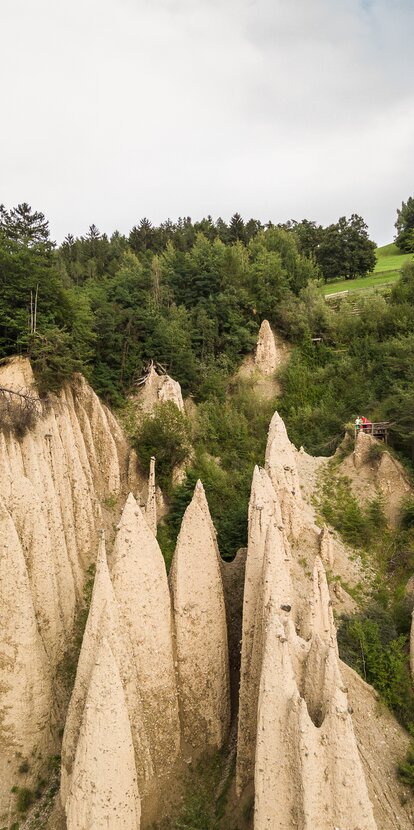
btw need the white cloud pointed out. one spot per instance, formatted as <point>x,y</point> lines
<point>115,109</point>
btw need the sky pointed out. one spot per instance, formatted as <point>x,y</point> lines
<point>112,110</point>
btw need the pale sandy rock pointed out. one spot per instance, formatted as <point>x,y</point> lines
<point>25,677</point>
<point>266,358</point>
<point>267,570</point>
<point>51,481</point>
<point>170,390</point>
<point>104,791</point>
<point>106,436</point>
<point>179,473</point>
<point>151,507</point>
<point>393,484</point>
<point>201,630</point>
<point>101,596</point>
<point>382,743</point>
<point>103,620</point>
<point>161,504</point>
<point>134,480</point>
<point>17,374</point>
<point>159,389</point>
<point>54,605</point>
<point>412,646</point>
<point>363,446</point>
<point>308,772</point>
<point>373,471</point>
<point>276,781</point>
<point>326,550</point>
<point>322,615</point>
<point>141,589</point>
<point>280,463</point>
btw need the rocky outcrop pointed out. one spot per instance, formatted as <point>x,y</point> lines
<point>264,511</point>
<point>412,646</point>
<point>159,389</point>
<point>326,548</point>
<point>141,588</point>
<point>280,463</point>
<point>151,506</point>
<point>308,772</point>
<point>26,699</point>
<point>104,621</point>
<point>295,735</point>
<point>54,477</point>
<point>200,630</point>
<point>373,471</point>
<point>266,358</point>
<point>103,791</point>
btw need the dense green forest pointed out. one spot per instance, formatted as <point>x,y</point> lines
<point>192,295</point>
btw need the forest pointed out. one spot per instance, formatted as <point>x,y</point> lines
<point>191,296</point>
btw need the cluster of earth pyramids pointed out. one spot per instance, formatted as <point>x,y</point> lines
<point>152,685</point>
<point>152,689</point>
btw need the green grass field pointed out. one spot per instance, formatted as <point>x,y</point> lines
<point>386,272</point>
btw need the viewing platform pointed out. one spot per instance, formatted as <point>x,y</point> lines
<point>379,429</point>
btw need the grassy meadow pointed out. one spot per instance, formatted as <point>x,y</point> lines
<point>386,272</point>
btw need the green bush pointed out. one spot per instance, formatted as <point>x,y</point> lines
<point>167,436</point>
<point>376,451</point>
<point>359,526</point>
<point>406,768</point>
<point>370,644</point>
<point>25,799</point>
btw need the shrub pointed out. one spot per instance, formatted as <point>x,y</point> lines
<point>165,435</point>
<point>376,451</point>
<point>360,527</point>
<point>407,514</point>
<point>406,768</point>
<point>369,643</point>
<point>18,413</point>
<point>25,798</point>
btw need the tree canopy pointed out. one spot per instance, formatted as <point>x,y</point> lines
<point>405,226</point>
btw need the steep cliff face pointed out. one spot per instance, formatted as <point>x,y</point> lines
<point>200,630</point>
<point>53,481</point>
<point>298,750</point>
<point>295,730</point>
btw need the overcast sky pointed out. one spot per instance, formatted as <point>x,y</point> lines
<point>112,110</point>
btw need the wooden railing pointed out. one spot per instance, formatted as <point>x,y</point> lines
<point>378,429</point>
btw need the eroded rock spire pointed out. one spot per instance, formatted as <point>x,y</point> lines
<point>141,588</point>
<point>201,630</point>
<point>104,791</point>
<point>151,506</point>
<point>267,568</point>
<point>266,357</point>
<point>25,675</point>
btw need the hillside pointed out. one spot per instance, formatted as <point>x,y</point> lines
<point>181,513</point>
<point>177,724</point>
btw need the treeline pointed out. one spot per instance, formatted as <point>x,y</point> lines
<point>192,296</point>
<point>189,295</point>
<point>106,307</point>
